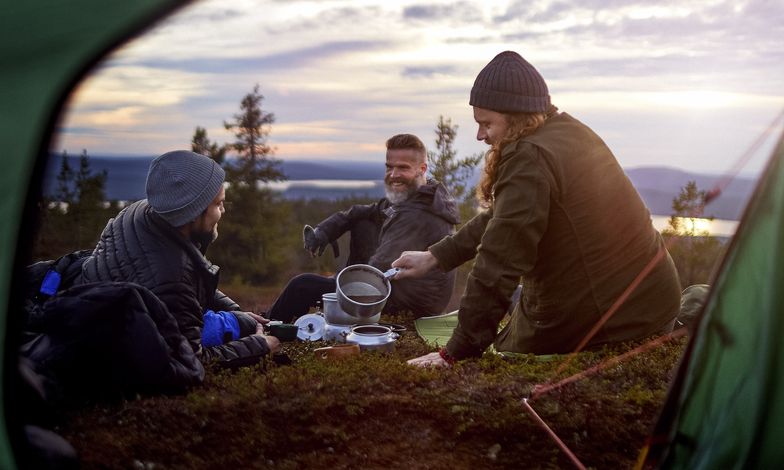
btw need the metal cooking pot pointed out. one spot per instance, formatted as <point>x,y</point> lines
<point>372,338</point>
<point>362,290</point>
<point>336,316</point>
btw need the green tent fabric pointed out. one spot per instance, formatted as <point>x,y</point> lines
<point>726,406</point>
<point>45,48</point>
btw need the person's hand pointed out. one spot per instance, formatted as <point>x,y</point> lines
<point>272,342</point>
<point>257,317</point>
<point>316,241</point>
<point>259,329</point>
<point>414,264</point>
<point>433,359</point>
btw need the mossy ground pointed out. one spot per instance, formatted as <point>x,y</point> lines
<point>374,411</point>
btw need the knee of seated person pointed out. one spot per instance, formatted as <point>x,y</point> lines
<point>299,280</point>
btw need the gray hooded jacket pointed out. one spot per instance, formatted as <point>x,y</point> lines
<point>387,230</point>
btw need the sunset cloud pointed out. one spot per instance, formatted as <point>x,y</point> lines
<point>657,81</point>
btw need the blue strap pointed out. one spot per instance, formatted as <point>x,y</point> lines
<point>219,327</point>
<point>50,283</point>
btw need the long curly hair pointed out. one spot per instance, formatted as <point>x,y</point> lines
<point>520,125</point>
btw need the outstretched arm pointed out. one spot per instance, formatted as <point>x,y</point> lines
<point>414,264</point>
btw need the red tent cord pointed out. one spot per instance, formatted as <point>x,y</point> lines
<point>742,161</point>
<point>539,390</point>
<point>552,435</point>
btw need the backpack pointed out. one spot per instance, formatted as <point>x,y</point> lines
<point>45,279</point>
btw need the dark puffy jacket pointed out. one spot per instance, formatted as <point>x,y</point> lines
<point>413,225</point>
<point>107,339</point>
<point>140,247</point>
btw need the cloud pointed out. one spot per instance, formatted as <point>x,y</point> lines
<point>311,20</point>
<point>336,150</point>
<point>427,71</point>
<point>486,39</point>
<point>205,13</point>
<point>308,56</point>
<point>343,76</point>
<point>699,26</point>
<point>80,130</point>
<point>456,11</point>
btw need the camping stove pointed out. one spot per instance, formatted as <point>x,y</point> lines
<point>337,333</point>
<point>338,322</point>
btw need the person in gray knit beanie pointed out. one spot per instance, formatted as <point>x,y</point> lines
<point>509,84</point>
<point>181,184</point>
<point>160,244</point>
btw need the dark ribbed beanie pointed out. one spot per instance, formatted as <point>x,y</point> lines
<point>182,184</point>
<point>509,84</point>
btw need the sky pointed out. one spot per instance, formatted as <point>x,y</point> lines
<point>684,84</point>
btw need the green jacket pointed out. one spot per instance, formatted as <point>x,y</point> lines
<point>567,223</point>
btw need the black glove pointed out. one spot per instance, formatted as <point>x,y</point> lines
<point>316,241</point>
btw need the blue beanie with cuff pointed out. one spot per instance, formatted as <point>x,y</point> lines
<point>182,184</point>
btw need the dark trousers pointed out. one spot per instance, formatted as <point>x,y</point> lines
<point>301,293</point>
<point>305,290</point>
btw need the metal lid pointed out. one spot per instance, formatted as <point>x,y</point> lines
<point>311,327</point>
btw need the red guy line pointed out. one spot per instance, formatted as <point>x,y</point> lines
<point>615,306</point>
<point>552,435</point>
<point>743,160</point>
<point>540,390</point>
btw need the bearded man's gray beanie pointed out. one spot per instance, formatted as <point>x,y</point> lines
<point>509,84</point>
<point>182,184</point>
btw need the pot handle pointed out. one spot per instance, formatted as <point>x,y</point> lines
<point>390,273</point>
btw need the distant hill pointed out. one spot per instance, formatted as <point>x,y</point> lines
<point>127,175</point>
<point>657,185</point>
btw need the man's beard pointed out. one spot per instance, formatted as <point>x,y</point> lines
<point>202,239</point>
<point>396,197</point>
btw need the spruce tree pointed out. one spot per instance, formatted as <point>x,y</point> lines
<point>693,249</point>
<point>251,127</point>
<point>201,144</point>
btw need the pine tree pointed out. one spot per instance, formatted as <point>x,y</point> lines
<point>445,167</point>
<point>201,144</point>
<point>81,213</point>
<point>251,127</point>
<point>251,234</point>
<point>694,251</point>
<point>65,191</point>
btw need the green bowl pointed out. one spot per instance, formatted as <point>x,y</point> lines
<point>284,331</point>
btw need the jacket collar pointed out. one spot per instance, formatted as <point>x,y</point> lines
<point>199,260</point>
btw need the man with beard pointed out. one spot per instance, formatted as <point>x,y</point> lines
<point>160,243</point>
<point>416,212</point>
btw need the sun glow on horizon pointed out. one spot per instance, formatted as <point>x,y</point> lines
<point>699,99</point>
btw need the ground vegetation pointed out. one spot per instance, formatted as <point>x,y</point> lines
<point>375,411</point>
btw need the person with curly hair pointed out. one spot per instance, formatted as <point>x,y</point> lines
<point>560,218</point>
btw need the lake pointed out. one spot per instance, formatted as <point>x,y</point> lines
<point>716,227</point>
